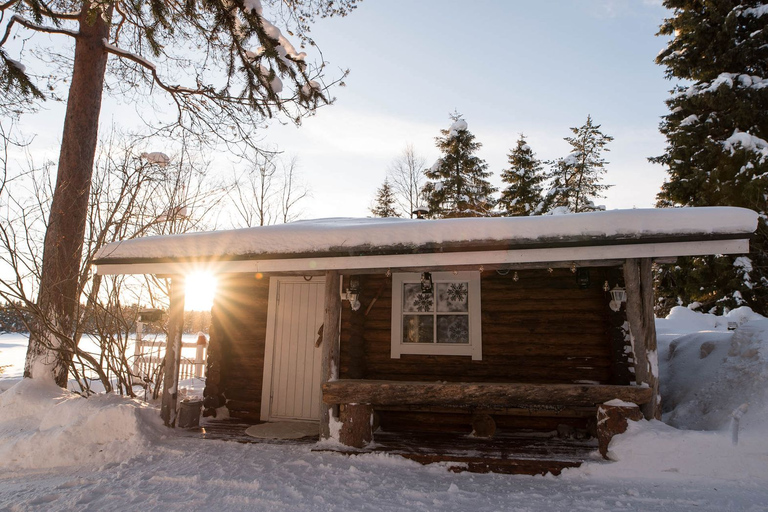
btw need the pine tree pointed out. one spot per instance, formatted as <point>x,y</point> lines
<point>717,141</point>
<point>576,178</point>
<point>384,205</point>
<point>458,186</point>
<point>149,45</point>
<point>524,179</point>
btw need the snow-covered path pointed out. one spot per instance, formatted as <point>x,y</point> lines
<point>189,474</point>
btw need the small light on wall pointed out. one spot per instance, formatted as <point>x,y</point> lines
<point>618,297</point>
<point>515,277</point>
<point>582,278</point>
<point>606,287</point>
<point>426,282</point>
<point>353,294</point>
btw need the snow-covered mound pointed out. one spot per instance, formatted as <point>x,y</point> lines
<point>44,426</point>
<point>652,450</point>
<point>706,375</point>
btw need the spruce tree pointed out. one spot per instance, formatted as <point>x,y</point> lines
<point>576,179</point>
<point>717,149</point>
<point>524,181</point>
<point>384,205</point>
<point>458,185</point>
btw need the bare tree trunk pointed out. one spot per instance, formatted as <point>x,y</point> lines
<point>58,296</point>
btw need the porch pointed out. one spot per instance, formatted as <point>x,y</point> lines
<point>508,453</point>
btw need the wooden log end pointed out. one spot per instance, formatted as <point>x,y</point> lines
<point>613,420</point>
<point>356,425</point>
<point>483,425</point>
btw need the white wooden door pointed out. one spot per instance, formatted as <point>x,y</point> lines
<point>292,369</point>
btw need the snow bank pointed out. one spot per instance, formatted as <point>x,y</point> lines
<point>44,426</point>
<point>652,450</point>
<point>707,374</point>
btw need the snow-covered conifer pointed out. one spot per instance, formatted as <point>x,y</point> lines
<point>523,194</point>
<point>384,204</point>
<point>458,185</point>
<point>717,140</point>
<point>576,179</point>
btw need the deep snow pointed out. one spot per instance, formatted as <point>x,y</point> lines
<point>62,452</point>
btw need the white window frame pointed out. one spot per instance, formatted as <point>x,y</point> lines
<point>474,348</point>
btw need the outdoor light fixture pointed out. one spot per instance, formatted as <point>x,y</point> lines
<point>582,278</point>
<point>353,294</point>
<point>426,282</point>
<point>618,297</point>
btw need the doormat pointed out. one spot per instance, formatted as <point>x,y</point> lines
<point>284,430</point>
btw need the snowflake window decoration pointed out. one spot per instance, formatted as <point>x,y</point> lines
<point>457,292</point>
<point>458,332</point>
<point>423,302</point>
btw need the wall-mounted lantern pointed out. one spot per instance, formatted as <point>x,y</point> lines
<point>353,294</point>
<point>426,282</point>
<point>582,278</point>
<point>618,297</point>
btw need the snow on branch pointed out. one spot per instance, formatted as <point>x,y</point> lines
<point>747,141</point>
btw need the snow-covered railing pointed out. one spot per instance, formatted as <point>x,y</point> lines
<point>149,355</point>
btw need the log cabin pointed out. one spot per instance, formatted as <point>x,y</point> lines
<point>470,326</point>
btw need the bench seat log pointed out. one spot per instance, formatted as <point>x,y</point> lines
<point>480,395</point>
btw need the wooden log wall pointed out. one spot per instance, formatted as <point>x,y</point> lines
<point>238,337</point>
<point>540,329</point>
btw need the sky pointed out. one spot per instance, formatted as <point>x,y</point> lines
<point>508,67</point>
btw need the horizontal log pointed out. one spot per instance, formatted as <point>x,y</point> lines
<point>543,376</point>
<point>571,412</point>
<point>477,394</point>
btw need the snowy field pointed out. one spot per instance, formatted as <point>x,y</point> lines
<point>62,452</point>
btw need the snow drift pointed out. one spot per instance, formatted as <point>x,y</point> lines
<point>44,426</point>
<point>708,374</point>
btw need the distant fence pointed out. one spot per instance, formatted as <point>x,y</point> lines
<point>149,355</point>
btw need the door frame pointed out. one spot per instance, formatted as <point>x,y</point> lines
<point>269,345</point>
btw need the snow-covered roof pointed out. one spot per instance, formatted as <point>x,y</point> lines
<point>375,237</point>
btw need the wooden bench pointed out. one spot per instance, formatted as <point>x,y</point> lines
<point>358,398</point>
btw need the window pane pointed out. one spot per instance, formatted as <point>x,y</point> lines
<point>418,329</point>
<point>453,297</point>
<point>453,329</point>
<point>416,301</point>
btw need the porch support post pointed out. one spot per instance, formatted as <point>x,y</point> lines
<point>638,279</point>
<point>356,425</point>
<point>173,352</point>
<point>330,362</point>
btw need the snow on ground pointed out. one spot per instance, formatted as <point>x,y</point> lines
<point>62,452</point>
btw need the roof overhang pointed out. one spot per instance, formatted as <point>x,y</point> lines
<point>583,255</point>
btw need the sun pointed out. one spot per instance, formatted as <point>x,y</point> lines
<point>200,290</point>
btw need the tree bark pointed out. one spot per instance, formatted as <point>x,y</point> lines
<point>639,282</point>
<point>173,352</point>
<point>62,253</point>
<point>475,394</point>
<point>330,346</point>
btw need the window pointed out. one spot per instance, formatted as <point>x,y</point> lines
<point>444,321</point>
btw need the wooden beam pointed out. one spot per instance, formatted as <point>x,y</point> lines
<point>330,346</point>
<point>639,285</point>
<point>173,352</point>
<point>473,394</point>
